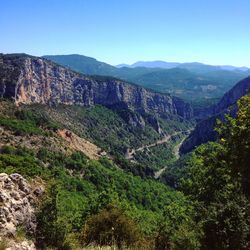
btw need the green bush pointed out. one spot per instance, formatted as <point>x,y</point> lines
<point>111,226</point>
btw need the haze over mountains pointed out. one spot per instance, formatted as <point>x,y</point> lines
<point>195,82</point>
<point>169,65</point>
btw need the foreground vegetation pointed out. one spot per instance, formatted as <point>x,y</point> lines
<point>99,202</point>
<point>216,178</point>
<point>72,203</point>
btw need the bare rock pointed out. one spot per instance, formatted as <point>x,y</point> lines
<point>36,80</point>
<point>17,198</point>
<point>23,245</point>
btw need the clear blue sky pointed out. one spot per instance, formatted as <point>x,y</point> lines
<point>124,31</point>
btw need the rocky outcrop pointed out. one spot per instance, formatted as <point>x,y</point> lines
<point>77,143</point>
<point>204,130</point>
<point>28,80</point>
<point>19,245</point>
<point>17,199</point>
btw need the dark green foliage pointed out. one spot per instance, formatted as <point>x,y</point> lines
<point>235,138</point>
<point>27,122</point>
<point>157,157</point>
<point>20,160</point>
<point>134,168</point>
<point>227,225</point>
<point>111,226</point>
<point>177,229</point>
<point>175,171</point>
<point>106,128</point>
<point>110,130</point>
<point>51,232</point>
<point>20,127</point>
<point>218,179</point>
<point>101,183</point>
<point>38,119</point>
<point>213,213</point>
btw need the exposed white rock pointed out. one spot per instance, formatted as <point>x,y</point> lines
<point>23,245</point>
<point>17,199</point>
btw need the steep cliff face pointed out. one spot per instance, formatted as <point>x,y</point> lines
<point>204,130</point>
<point>28,80</point>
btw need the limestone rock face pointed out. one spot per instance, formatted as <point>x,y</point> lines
<point>17,199</point>
<point>28,80</point>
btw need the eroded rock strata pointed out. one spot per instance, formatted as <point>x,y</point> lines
<point>28,80</point>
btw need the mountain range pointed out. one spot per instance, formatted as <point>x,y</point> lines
<point>195,82</point>
<point>29,80</point>
<point>169,65</point>
<point>79,152</point>
<point>138,116</point>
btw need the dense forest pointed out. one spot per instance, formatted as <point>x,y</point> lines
<point>201,202</point>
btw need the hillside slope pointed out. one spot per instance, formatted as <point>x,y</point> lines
<point>204,130</point>
<point>110,113</point>
<point>47,143</point>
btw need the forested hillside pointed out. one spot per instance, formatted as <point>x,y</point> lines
<point>86,198</point>
<point>204,130</point>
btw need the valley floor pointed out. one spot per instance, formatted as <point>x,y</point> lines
<point>166,139</point>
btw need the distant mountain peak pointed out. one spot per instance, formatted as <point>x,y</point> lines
<point>169,65</point>
<point>155,64</point>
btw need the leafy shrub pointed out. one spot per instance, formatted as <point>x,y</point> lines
<point>20,127</point>
<point>111,226</point>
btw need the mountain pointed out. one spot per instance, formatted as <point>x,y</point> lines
<point>229,67</point>
<point>204,130</point>
<point>69,134</point>
<point>35,80</point>
<point>155,64</point>
<point>123,65</point>
<point>53,177</point>
<point>193,66</point>
<point>90,104</point>
<point>83,64</point>
<point>195,82</point>
<point>85,154</point>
